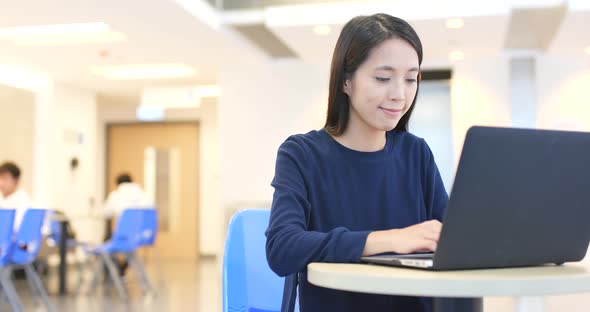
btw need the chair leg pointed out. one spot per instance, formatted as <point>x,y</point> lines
<point>97,273</point>
<point>31,274</point>
<point>2,295</point>
<point>133,266</point>
<point>32,287</point>
<point>114,274</point>
<point>80,266</point>
<point>8,288</point>
<point>140,271</point>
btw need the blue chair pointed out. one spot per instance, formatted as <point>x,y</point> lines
<point>126,239</point>
<point>249,285</point>
<point>25,249</point>
<point>6,224</point>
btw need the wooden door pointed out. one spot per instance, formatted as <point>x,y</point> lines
<point>162,158</point>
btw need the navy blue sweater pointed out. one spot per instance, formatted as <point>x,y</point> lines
<point>328,198</point>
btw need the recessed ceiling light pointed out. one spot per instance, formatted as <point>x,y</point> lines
<point>455,23</point>
<point>322,30</point>
<point>144,71</point>
<point>51,30</point>
<point>70,39</point>
<point>23,78</point>
<point>61,34</point>
<point>456,55</point>
<point>587,50</point>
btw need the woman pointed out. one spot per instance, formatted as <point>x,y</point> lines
<point>362,185</point>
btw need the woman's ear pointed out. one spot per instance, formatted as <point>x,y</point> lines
<point>346,86</point>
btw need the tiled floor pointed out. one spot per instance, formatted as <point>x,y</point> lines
<point>183,286</point>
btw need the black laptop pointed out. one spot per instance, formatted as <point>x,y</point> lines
<point>520,198</point>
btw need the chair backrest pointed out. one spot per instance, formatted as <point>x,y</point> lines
<point>248,282</point>
<point>28,237</point>
<point>128,229</point>
<point>149,227</point>
<point>6,224</point>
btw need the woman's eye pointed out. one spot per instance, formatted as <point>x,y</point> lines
<point>382,79</point>
<point>411,81</point>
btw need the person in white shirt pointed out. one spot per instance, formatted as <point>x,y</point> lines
<point>13,197</point>
<point>127,195</point>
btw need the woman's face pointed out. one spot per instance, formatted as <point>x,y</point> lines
<point>383,88</point>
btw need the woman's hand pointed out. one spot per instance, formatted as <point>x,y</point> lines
<point>422,237</point>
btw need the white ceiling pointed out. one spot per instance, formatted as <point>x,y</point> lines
<point>573,35</point>
<point>156,30</point>
<point>480,36</point>
<point>162,31</point>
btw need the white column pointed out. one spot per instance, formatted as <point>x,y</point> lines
<point>523,92</point>
<point>42,155</point>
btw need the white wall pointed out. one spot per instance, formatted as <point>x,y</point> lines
<point>42,150</point>
<point>563,86</point>
<point>17,131</point>
<point>480,95</point>
<point>74,129</point>
<point>262,104</point>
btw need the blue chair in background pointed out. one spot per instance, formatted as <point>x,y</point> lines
<point>6,224</point>
<point>249,284</point>
<point>125,240</point>
<point>25,249</point>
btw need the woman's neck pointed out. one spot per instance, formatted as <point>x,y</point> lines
<point>361,137</point>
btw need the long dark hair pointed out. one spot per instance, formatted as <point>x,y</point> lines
<point>358,37</point>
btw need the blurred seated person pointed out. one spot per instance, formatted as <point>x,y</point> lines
<point>12,197</point>
<point>127,195</point>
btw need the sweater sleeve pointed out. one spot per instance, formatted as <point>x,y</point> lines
<point>435,195</point>
<point>290,245</point>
